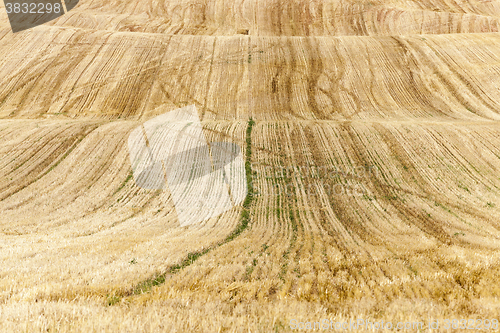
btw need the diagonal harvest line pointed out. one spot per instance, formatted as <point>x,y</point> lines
<point>149,148</point>
<point>226,181</point>
<point>64,6</point>
<point>145,136</point>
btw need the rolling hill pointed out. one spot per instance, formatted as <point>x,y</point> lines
<point>371,133</point>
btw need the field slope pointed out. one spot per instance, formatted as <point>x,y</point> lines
<point>371,133</point>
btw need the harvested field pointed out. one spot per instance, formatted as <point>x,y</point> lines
<point>371,137</point>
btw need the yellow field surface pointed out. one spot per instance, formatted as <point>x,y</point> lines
<point>371,133</point>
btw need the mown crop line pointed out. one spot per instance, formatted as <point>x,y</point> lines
<point>122,185</point>
<point>293,223</point>
<point>287,208</point>
<point>147,285</point>
<point>53,165</point>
